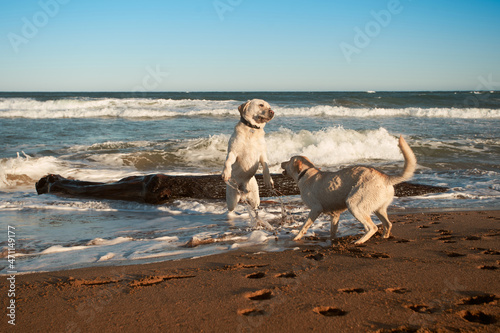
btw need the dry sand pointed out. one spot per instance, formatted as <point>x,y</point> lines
<point>439,272</point>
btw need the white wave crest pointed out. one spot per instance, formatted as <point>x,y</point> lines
<point>112,107</point>
<point>26,170</point>
<point>328,147</point>
<point>340,111</point>
<point>164,108</point>
<point>210,150</point>
<point>332,146</point>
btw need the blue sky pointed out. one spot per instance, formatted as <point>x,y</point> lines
<point>243,45</point>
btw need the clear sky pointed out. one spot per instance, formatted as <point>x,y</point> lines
<point>249,45</point>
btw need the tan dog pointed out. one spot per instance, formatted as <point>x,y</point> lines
<point>247,149</point>
<point>361,190</point>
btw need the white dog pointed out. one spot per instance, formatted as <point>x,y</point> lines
<point>361,190</point>
<point>247,148</point>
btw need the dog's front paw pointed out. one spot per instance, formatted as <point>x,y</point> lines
<point>226,176</point>
<point>298,237</point>
<point>269,183</point>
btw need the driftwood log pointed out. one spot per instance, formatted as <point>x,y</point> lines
<point>158,188</point>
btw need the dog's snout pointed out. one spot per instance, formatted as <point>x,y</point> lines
<point>271,112</point>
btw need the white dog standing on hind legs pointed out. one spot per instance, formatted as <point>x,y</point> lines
<point>246,150</point>
<point>361,190</point>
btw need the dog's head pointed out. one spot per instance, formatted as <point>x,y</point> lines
<point>256,112</point>
<point>294,167</point>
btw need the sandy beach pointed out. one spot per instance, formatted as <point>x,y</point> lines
<point>151,155</point>
<point>437,273</point>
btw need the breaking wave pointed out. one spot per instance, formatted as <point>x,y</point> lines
<point>165,108</point>
<point>110,161</point>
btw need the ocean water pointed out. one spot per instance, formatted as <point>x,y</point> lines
<point>108,136</point>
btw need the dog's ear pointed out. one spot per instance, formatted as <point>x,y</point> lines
<point>302,163</point>
<point>243,107</point>
<point>298,165</point>
<point>308,162</point>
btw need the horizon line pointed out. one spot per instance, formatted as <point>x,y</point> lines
<point>238,91</point>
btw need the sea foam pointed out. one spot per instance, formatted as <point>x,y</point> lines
<point>24,170</point>
<point>164,108</point>
<point>331,146</point>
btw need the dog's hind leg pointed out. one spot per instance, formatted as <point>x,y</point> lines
<point>370,228</point>
<point>367,222</point>
<point>232,197</point>
<point>361,208</point>
<point>252,196</point>
<point>386,224</point>
<point>313,215</point>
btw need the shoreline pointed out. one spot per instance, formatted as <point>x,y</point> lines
<point>439,271</point>
<point>159,259</point>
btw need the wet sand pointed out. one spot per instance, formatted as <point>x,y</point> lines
<point>439,272</point>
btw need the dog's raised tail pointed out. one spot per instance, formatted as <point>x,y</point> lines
<point>410,163</point>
